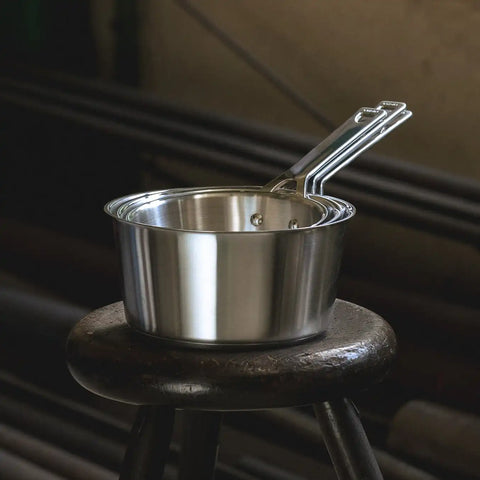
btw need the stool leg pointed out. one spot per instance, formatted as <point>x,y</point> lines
<point>149,443</point>
<point>346,441</point>
<point>200,439</point>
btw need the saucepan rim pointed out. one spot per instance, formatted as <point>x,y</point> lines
<point>117,206</point>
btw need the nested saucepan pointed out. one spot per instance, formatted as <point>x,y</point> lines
<point>243,265</point>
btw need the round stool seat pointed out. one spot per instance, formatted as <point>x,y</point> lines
<point>113,360</point>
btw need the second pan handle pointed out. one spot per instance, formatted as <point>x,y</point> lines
<point>359,132</point>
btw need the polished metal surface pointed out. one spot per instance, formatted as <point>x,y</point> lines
<point>394,119</point>
<point>234,285</point>
<point>360,132</point>
<point>230,265</point>
<point>226,209</point>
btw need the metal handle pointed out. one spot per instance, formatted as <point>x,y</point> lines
<point>366,127</point>
<point>363,144</point>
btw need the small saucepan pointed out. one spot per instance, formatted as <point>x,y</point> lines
<point>220,266</point>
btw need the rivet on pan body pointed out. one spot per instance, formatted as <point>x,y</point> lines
<point>256,219</point>
<point>293,224</point>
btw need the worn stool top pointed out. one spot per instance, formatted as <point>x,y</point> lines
<point>113,360</point>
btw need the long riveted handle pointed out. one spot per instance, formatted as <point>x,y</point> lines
<point>366,127</point>
<point>392,121</point>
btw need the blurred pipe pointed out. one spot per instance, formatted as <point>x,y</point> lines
<point>440,202</point>
<point>73,438</point>
<point>77,426</point>
<point>91,270</point>
<point>439,376</point>
<point>14,467</point>
<point>412,215</point>
<point>51,458</point>
<point>416,174</point>
<point>159,142</point>
<point>294,143</point>
<point>45,317</point>
<point>115,422</point>
<point>395,469</point>
<point>416,315</point>
<point>269,135</point>
<point>443,201</point>
<point>302,430</point>
<point>266,471</point>
<point>438,435</point>
<point>178,128</point>
<point>421,201</point>
<point>33,242</point>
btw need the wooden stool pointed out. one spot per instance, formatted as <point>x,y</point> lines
<point>111,359</point>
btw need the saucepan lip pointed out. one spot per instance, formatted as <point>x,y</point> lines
<point>118,208</point>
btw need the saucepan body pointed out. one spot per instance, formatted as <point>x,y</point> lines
<point>229,265</point>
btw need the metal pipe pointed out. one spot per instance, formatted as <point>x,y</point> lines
<point>413,216</point>
<point>281,139</point>
<point>146,139</point>
<point>382,187</point>
<point>49,457</point>
<point>74,438</point>
<point>421,175</point>
<point>108,434</point>
<point>14,467</point>
<point>177,128</point>
<point>438,435</point>
<point>393,189</point>
<point>265,471</point>
<point>275,156</point>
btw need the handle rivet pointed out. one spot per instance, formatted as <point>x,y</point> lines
<point>293,224</point>
<point>256,219</point>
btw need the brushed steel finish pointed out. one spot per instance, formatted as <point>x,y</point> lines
<point>245,265</point>
<point>239,283</point>
<point>357,134</point>
<point>319,158</point>
<point>225,209</point>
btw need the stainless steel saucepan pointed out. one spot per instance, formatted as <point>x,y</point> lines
<point>243,265</point>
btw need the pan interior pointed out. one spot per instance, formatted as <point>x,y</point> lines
<point>226,211</point>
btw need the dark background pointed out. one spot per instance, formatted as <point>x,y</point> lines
<point>72,139</point>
